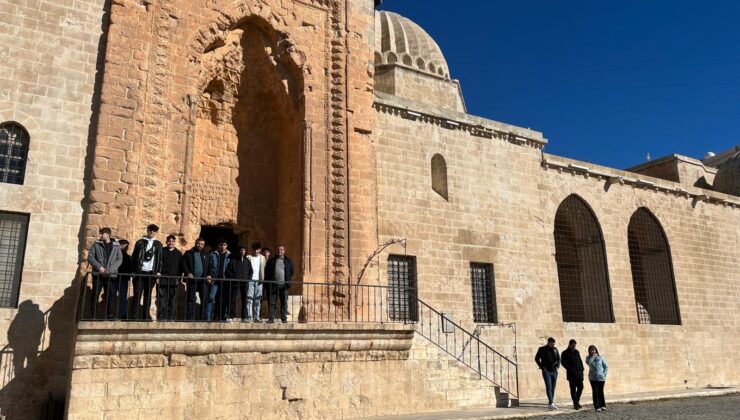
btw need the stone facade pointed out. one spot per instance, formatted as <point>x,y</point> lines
<point>50,51</point>
<point>315,124</point>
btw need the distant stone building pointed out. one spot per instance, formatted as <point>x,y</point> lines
<point>334,129</point>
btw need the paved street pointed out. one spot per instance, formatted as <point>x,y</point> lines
<point>721,407</point>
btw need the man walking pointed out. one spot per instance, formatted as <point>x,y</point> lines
<point>196,265</point>
<point>573,364</point>
<point>548,360</point>
<point>220,259</point>
<point>254,293</point>
<point>147,259</point>
<point>280,271</point>
<point>105,258</point>
<point>168,281</point>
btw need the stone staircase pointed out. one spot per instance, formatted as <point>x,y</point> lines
<point>461,386</point>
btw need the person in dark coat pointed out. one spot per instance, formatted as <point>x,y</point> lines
<point>240,271</point>
<point>105,259</point>
<point>279,272</point>
<point>147,260</point>
<point>571,361</point>
<point>124,278</point>
<point>196,266</point>
<point>168,281</point>
<point>548,360</point>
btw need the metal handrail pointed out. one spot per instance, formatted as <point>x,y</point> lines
<point>468,349</point>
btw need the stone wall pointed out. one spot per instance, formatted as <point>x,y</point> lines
<point>264,371</point>
<point>47,83</point>
<point>503,196</point>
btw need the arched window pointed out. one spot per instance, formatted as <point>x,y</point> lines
<point>581,261</point>
<point>652,270</point>
<point>439,175</point>
<point>14,140</point>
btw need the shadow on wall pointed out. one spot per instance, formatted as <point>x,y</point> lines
<point>34,381</point>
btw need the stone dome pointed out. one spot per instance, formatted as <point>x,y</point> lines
<point>727,179</point>
<point>400,41</point>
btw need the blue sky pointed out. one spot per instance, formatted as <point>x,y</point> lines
<point>606,81</point>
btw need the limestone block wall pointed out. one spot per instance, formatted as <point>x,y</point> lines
<point>49,53</point>
<point>264,372</point>
<point>501,208</point>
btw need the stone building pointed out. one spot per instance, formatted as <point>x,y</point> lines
<point>334,129</point>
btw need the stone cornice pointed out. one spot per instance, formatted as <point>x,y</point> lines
<point>116,344</point>
<point>477,127</point>
<point>614,176</point>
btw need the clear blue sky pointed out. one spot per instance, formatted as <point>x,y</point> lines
<point>606,81</point>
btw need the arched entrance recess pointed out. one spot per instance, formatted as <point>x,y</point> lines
<point>248,157</point>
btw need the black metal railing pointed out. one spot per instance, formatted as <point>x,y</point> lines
<point>468,349</point>
<point>181,299</point>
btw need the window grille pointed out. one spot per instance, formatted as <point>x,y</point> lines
<point>14,141</point>
<point>652,271</point>
<point>581,262</point>
<point>13,230</point>
<point>439,175</point>
<point>484,293</point>
<point>402,288</point>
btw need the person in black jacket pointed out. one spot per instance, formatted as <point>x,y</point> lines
<point>279,271</point>
<point>571,361</point>
<point>167,283</point>
<point>147,260</point>
<point>196,266</point>
<point>123,279</point>
<point>240,271</point>
<point>548,360</point>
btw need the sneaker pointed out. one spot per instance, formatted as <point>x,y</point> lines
<point>246,320</point>
<point>602,409</point>
<point>285,321</point>
<point>552,406</point>
<point>257,320</point>
<point>577,406</point>
<point>270,321</point>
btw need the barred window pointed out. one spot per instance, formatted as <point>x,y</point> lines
<point>439,175</point>
<point>484,293</point>
<point>402,288</point>
<point>14,141</point>
<point>13,231</point>
<point>581,262</point>
<point>652,270</point>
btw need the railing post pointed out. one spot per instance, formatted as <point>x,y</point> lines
<point>480,375</point>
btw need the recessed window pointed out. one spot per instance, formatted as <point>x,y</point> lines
<point>14,141</point>
<point>439,175</point>
<point>402,288</point>
<point>484,293</point>
<point>581,261</point>
<point>652,270</point>
<point>13,231</point>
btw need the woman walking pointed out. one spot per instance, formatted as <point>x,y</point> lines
<point>597,370</point>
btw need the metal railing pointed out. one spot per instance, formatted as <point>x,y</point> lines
<point>468,349</point>
<point>137,297</point>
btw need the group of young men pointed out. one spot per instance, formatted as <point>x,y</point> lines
<point>218,279</point>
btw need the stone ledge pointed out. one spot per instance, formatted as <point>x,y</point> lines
<point>159,341</point>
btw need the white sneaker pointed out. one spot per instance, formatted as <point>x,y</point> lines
<point>552,406</point>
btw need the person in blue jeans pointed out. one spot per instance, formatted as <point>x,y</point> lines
<point>548,360</point>
<point>597,370</point>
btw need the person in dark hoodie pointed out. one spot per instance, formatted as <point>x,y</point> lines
<point>196,266</point>
<point>105,258</point>
<point>571,361</point>
<point>147,260</point>
<point>240,270</point>
<point>167,283</point>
